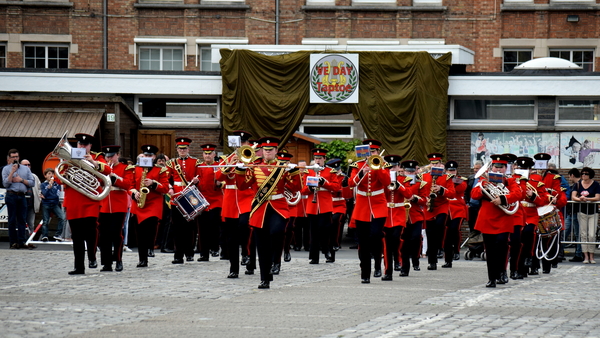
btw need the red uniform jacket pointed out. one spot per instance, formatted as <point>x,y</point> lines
<point>370,192</point>
<point>324,198</point>
<point>118,199</point>
<point>154,199</point>
<point>491,219</point>
<point>236,201</point>
<point>420,192</point>
<point>255,176</point>
<point>339,199</point>
<point>210,187</point>
<point>457,205</point>
<point>396,215</point>
<point>187,168</point>
<point>79,205</point>
<point>440,202</point>
<point>539,199</point>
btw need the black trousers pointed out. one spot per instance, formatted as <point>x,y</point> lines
<point>527,243</point>
<point>267,239</point>
<point>84,231</point>
<point>165,230</point>
<point>515,248</point>
<point>302,232</point>
<point>110,235</point>
<point>370,238</point>
<point>337,229</point>
<point>146,234</point>
<point>233,229</point>
<point>320,229</point>
<point>496,246</point>
<point>184,234</point>
<point>209,231</point>
<point>435,233</point>
<point>451,239</point>
<point>391,245</point>
<point>411,245</point>
<point>473,213</point>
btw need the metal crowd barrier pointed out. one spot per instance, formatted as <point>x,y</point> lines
<point>569,236</point>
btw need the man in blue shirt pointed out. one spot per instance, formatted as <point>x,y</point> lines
<point>16,179</point>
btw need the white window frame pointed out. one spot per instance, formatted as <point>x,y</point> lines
<point>574,123</point>
<point>46,45</point>
<point>516,50</point>
<point>373,2</point>
<point>210,42</point>
<point>571,50</point>
<point>208,48</point>
<point>427,2</point>
<point>164,42</point>
<point>328,123</point>
<point>162,49</point>
<point>5,56</point>
<point>320,2</point>
<point>179,122</point>
<point>514,124</point>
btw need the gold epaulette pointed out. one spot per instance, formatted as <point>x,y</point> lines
<point>540,184</point>
<point>407,179</point>
<point>353,165</point>
<point>423,184</point>
<point>162,169</point>
<point>130,167</point>
<point>199,161</point>
<point>563,189</point>
<point>464,178</point>
<point>449,176</point>
<point>387,165</point>
<point>97,153</point>
<point>170,163</point>
<point>557,177</point>
<point>333,170</point>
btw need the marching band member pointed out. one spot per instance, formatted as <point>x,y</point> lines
<point>182,172</point>
<point>411,238</point>
<point>150,183</point>
<point>284,246</point>
<point>339,205</point>
<point>436,213</point>
<point>396,194</point>
<point>83,212</point>
<point>209,222</point>
<point>113,210</point>
<point>269,210</point>
<point>515,242</point>
<point>458,213</point>
<point>319,207</point>
<point>495,224</point>
<point>235,212</point>
<point>370,210</point>
<point>301,225</point>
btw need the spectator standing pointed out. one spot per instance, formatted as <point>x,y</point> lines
<point>571,221</point>
<point>16,179</point>
<point>33,198</point>
<point>473,204</point>
<point>49,191</point>
<point>587,191</point>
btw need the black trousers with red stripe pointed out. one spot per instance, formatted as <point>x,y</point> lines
<point>84,231</point>
<point>110,235</point>
<point>391,245</point>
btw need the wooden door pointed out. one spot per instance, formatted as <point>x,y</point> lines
<point>163,139</point>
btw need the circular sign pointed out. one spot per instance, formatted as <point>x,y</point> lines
<point>334,78</point>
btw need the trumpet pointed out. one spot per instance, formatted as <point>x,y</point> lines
<point>375,162</point>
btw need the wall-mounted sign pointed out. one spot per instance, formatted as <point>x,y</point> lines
<point>333,78</point>
<point>110,117</point>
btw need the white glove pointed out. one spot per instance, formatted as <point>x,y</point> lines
<point>290,166</point>
<point>240,165</point>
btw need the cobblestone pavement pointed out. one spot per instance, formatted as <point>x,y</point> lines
<point>39,299</point>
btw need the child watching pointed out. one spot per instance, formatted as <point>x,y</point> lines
<point>50,203</point>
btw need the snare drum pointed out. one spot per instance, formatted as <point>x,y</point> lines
<point>190,202</point>
<point>549,223</point>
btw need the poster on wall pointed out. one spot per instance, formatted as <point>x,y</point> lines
<point>484,144</point>
<point>579,150</point>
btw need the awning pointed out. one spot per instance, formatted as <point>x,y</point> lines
<point>36,124</point>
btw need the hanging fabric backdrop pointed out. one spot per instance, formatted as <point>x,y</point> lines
<point>403,97</point>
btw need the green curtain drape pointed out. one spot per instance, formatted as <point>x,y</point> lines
<point>403,97</point>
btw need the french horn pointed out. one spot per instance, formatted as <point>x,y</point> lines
<point>80,174</point>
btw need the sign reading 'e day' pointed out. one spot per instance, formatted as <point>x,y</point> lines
<point>333,78</point>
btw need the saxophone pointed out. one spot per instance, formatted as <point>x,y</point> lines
<point>143,190</point>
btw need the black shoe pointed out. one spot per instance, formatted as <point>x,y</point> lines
<point>527,262</point>
<point>150,253</point>
<point>491,284</point>
<point>245,260</point>
<point>275,268</point>
<point>447,265</point>
<point>440,253</point>
<point>313,261</point>
<point>106,268</point>
<point>177,261</point>
<point>330,258</point>
<point>142,264</point>
<point>576,259</point>
<point>249,271</point>
<point>287,257</point>
<point>336,248</point>
<point>534,271</point>
<point>264,284</point>
<point>546,271</point>
<point>297,248</point>
<point>232,275</point>
<point>503,277</point>
<point>202,259</point>
<point>513,275</point>
<point>397,267</point>
<point>166,250</point>
<point>519,276</point>
<point>214,253</point>
<point>189,259</point>
<point>456,256</point>
<point>119,266</point>
<point>432,266</point>
<point>416,268</point>
<point>377,273</point>
<point>77,272</point>
<point>554,266</point>
<point>365,281</point>
<point>93,264</point>
<point>403,273</point>
<point>387,277</point>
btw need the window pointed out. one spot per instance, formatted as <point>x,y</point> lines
<point>48,56</point>
<point>2,56</point>
<point>328,127</point>
<point>178,108</point>
<point>427,2</point>
<point>497,109</point>
<point>581,57</point>
<point>206,63</point>
<point>579,110</point>
<point>161,58</point>
<point>515,57</point>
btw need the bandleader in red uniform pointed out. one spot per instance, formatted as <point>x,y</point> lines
<point>83,212</point>
<point>114,209</point>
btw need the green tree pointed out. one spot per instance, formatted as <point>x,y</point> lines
<point>342,150</point>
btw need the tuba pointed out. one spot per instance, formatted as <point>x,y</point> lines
<point>80,174</point>
<point>292,198</point>
<point>494,190</point>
